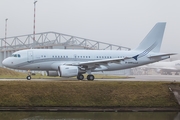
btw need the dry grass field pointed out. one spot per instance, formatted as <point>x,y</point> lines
<point>83,93</point>
<point>86,93</point>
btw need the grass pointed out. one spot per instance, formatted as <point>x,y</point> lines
<point>86,93</point>
<point>6,73</point>
<point>83,93</point>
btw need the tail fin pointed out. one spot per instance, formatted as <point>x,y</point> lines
<point>152,41</point>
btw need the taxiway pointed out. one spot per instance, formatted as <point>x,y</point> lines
<point>170,78</point>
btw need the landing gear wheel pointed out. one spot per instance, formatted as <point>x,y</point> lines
<point>176,73</point>
<point>80,77</point>
<point>28,77</point>
<point>169,73</point>
<point>90,77</point>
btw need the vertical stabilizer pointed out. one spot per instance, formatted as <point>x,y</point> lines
<point>152,41</point>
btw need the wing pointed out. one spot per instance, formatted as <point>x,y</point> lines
<point>97,63</point>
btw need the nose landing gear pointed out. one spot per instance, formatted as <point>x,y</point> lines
<point>29,75</point>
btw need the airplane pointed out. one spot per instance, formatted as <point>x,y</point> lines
<point>75,63</point>
<point>166,68</point>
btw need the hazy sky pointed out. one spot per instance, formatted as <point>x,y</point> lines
<point>122,22</point>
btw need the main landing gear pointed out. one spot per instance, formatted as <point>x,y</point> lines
<point>89,77</point>
<point>80,77</point>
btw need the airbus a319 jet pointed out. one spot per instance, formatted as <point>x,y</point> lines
<point>70,63</point>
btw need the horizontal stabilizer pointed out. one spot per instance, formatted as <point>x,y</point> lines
<point>161,55</point>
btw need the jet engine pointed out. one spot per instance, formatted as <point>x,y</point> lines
<point>68,71</point>
<point>52,73</point>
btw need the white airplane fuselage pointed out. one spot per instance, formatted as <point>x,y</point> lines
<point>50,59</point>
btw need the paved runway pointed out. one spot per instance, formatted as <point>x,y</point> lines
<point>170,78</point>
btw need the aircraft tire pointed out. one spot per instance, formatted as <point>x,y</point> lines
<point>169,73</point>
<point>80,77</point>
<point>176,73</point>
<point>28,77</point>
<point>90,77</point>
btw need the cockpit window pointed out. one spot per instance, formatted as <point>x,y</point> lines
<point>13,55</point>
<point>16,55</point>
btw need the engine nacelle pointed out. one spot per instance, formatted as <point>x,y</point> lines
<point>68,71</point>
<point>52,73</point>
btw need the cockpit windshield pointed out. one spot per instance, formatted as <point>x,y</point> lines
<point>16,55</point>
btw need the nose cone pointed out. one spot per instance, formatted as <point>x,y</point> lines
<point>4,62</point>
<point>7,63</point>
